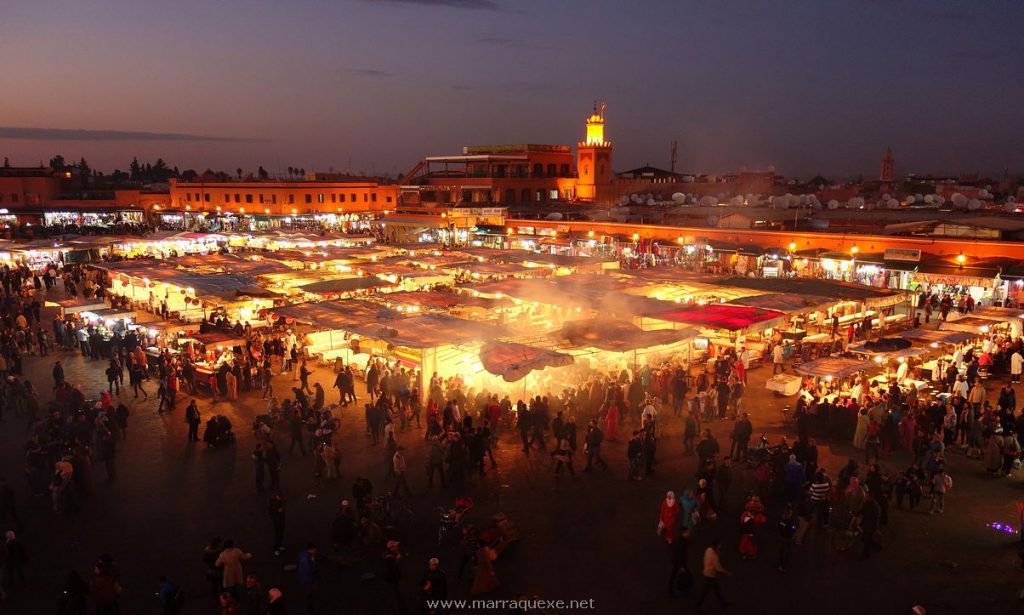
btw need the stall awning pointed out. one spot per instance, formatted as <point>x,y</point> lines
<point>969,324</point>
<point>218,339</point>
<point>618,335</point>
<point>74,306</point>
<point>933,336</point>
<point>791,303</point>
<point>442,300</point>
<point>837,367</point>
<point>889,348</point>
<point>870,295</point>
<point>514,361</point>
<point>1002,314</point>
<point>344,285</point>
<point>336,314</point>
<point>725,316</point>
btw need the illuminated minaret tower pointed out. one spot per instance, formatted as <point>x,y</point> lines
<point>594,161</point>
<point>887,171</point>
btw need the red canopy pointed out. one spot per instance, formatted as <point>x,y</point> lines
<point>723,316</point>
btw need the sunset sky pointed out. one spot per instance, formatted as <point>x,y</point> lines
<point>374,85</point>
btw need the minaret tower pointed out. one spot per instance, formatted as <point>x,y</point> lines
<point>594,161</point>
<point>887,171</point>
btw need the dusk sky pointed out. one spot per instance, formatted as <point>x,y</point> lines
<point>804,86</point>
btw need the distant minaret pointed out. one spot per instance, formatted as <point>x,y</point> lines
<point>594,161</point>
<point>887,163</point>
<point>672,158</point>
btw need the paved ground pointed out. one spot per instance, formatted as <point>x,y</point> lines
<point>588,537</point>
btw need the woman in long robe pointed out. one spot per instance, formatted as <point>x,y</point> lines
<point>611,423</point>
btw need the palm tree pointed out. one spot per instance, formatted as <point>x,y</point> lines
<point>291,171</point>
<point>239,171</point>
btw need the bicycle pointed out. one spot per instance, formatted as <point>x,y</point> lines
<point>844,539</point>
<point>391,512</point>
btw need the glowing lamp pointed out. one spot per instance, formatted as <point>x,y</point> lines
<point>961,258</point>
<point>792,246</point>
<point>854,250</point>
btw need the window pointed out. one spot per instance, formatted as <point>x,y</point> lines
<point>334,198</point>
<point>248,198</point>
<point>197,197</point>
<point>373,197</point>
<point>206,197</point>
<point>320,198</point>
<point>238,198</point>
<point>1,198</point>
<point>309,198</point>
<point>551,169</point>
<point>540,196</point>
<point>227,198</point>
<point>352,198</point>
<point>188,197</point>
<point>366,197</point>
<point>526,195</point>
<point>538,170</point>
<point>261,199</point>
<point>291,199</point>
<point>564,170</point>
<point>273,199</point>
<point>388,200</point>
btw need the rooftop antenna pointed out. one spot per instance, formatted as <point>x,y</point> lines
<point>672,159</point>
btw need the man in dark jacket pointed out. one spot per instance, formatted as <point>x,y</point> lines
<point>870,515</point>
<point>741,433</point>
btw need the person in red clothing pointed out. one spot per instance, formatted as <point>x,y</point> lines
<point>750,519</point>
<point>668,515</point>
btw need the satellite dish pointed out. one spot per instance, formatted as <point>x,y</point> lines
<point>553,216</point>
<point>679,197</point>
<point>833,204</point>
<point>973,205</point>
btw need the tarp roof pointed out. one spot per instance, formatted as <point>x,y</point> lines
<point>229,263</point>
<point>990,312</point>
<point>910,351</point>
<point>218,339</point>
<point>430,331</point>
<point>929,336</point>
<point>336,314</point>
<point>724,316</point>
<point>514,361</point>
<point>618,335</point>
<point>442,300</point>
<point>791,303</point>
<point>823,288</point>
<point>969,324</point>
<point>490,269</point>
<point>837,367</point>
<point>344,285</point>
<point>669,274</point>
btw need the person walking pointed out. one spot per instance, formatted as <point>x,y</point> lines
<point>273,459</point>
<point>592,446</point>
<point>309,573</point>
<point>193,418</point>
<point>398,466</point>
<point>712,570</point>
<point>433,587</point>
<point>230,560</point>
<point>941,483</point>
<point>276,510</point>
<point>681,579</point>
